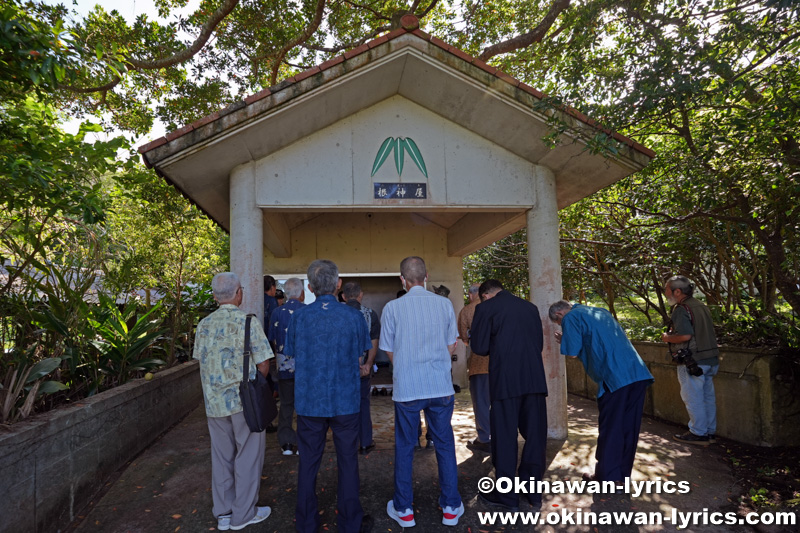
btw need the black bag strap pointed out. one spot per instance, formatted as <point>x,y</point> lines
<point>246,365</point>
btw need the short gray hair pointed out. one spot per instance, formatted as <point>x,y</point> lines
<point>473,289</point>
<point>322,276</point>
<point>293,288</point>
<point>561,305</point>
<point>682,283</point>
<point>224,286</point>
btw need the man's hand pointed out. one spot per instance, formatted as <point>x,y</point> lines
<point>364,370</point>
<point>558,336</point>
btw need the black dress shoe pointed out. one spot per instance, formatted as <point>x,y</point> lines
<point>479,446</point>
<point>271,429</point>
<point>492,501</point>
<point>365,450</point>
<point>366,524</point>
<point>588,477</point>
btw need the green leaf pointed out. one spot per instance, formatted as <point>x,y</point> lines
<point>383,152</point>
<point>42,368</point>
<point>49,387</point>
<point>399,155</point>
<point>416,155</point>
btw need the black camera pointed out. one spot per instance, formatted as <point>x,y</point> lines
<point>684,357</point>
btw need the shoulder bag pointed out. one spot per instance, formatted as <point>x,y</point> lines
<point>257,396</point>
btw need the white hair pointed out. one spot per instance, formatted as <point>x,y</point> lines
<point>293,288</point>
<point>224,286</point>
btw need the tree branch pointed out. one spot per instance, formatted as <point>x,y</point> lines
<point>187,53</point>
<point>300,39</point>
<point>527,39</point>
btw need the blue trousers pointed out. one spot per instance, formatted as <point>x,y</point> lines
<point>479,391</point>
<point>620,419</point>
<point>365,417</point>
<point>438,413</point>
<point>697,392</point>
<point>311,435</point>
<point>528,415</point>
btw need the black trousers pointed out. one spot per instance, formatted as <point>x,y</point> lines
<point>527,415</point>
<point>620,419</point>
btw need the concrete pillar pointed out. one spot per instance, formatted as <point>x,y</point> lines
<point>247,248</point>
<point>544,270</point>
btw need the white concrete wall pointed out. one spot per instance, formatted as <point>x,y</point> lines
<point>333,167</point>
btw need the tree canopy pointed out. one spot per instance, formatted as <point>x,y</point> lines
<point>710,85</point>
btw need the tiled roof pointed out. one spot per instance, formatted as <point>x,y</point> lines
<point>410,25</point>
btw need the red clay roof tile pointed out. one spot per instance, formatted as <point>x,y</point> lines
<point>171,136</point>
<point>260,95</point>
<point>152,144</point>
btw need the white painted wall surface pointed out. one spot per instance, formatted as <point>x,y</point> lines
<point>333,167</point>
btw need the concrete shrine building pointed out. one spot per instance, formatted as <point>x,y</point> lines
<point>402,146</point>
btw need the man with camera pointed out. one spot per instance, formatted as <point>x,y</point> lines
<point>693,345</point>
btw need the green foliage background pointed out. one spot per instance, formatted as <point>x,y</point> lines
<point>710,85</point>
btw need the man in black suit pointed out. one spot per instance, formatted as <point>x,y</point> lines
<point>510,330</point>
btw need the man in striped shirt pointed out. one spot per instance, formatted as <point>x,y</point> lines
<point>418,333</point>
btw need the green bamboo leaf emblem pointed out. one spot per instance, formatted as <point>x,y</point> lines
<point>387,147</point>
<point>416,155</point>
<point>399,155</point>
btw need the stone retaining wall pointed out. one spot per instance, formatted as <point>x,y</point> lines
<point>53,464</point>
<point>758,402</point>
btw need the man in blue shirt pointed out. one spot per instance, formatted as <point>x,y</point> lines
<point>418,333</point>
<point>352,295</point>
<point>276,333</point>
<point>327,339</point>
<point>593,335</point>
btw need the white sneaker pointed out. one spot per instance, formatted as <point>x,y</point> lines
<point>450,516</point>
<point>405,519</point>
<point>224,522</point>
<point>262,513</point>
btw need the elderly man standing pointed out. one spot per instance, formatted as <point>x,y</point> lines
<point>593,336</point>
<point>353,295</point>
<point>276,332</point>
<point>419,336</point>
<point>237,455</point>
<point>693,330</point>
<point>478,370</point>
<point>509,329</point>
<point>327,340</point>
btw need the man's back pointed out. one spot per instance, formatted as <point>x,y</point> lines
<point>509,329</point>
<point>417,329</point>
<point>596,338</point>
<point>327,339</point>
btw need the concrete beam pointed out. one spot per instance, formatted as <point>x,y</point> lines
<point>277,235</point>
<point>544,271</point>
<point>477,230</point>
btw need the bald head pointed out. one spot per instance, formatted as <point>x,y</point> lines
<point>413,270</point>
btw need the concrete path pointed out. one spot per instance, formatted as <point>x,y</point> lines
<point>167,488</point>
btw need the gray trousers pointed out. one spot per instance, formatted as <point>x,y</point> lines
<point>286,433</point>
<point>237,458</point>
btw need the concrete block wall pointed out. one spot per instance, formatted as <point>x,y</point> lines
<point>53,464</point>
<point>757,400</point>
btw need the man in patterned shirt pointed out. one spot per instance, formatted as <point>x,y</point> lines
<point>276,333</point>
<point>237,455</point>
<point>327,339</point>
<point>418,333</point>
